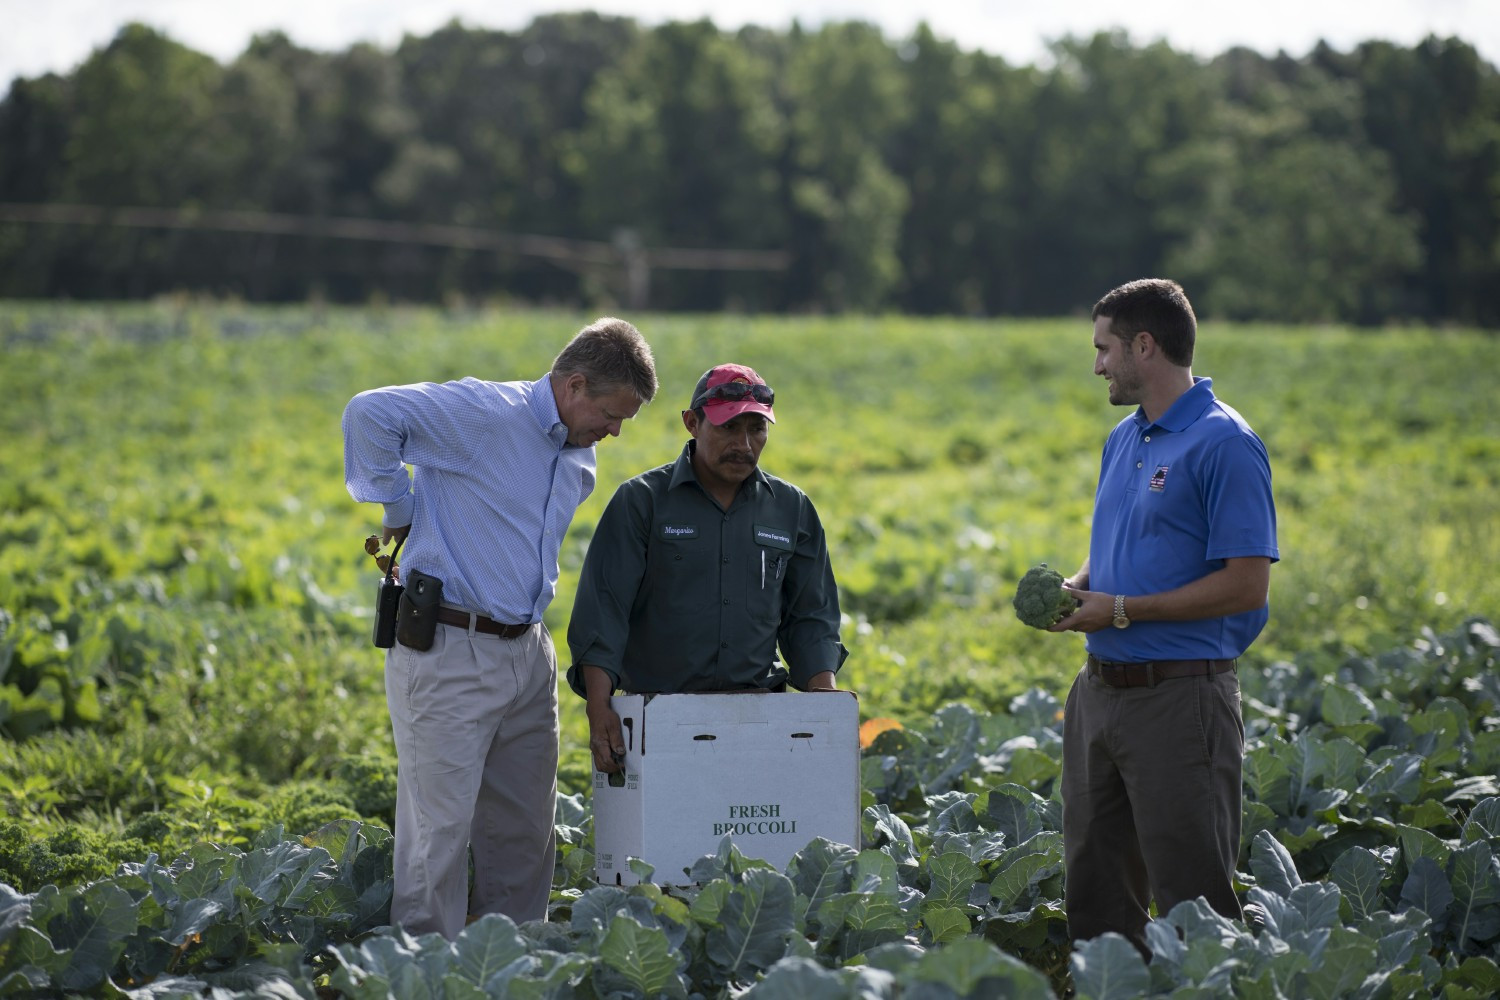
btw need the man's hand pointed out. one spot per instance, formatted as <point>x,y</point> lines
<point>395,534</point>
<point>824,681</point>
<point>606,742</point>
<point>1095,611</point>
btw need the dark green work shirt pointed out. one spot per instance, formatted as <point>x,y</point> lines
<point>678,594</point>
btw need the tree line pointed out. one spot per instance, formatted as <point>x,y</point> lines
<point>849,171</point>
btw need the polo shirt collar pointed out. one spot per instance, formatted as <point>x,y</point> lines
<point>1186,410</point>
<point>544,410</point>
<point>682,470</point>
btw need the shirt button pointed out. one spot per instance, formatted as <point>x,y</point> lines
<point>726,559</point>
<point>1137,465</point>
<point>1148,437</point>
<point>723,645</point>
<point>678,558</point>
<point>726,600</point>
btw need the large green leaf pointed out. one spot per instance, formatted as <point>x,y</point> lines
<point>485,948</point>
<point>1267,776</point>
<point>818,871</point>
<point>942,924</point>
<point>1011,883</point>
<point>1483,822</point>
<point>93,931</point>
<point>755,922</point>
<point>1343,967</point>
<point>951,879</point>
<point>1345,705</point>
<point>1273,865</point>
<point>642,958</point>
<point>805,979</point>
<point>1474,875</point>
<point>855,922</point>
<point>1427,888</point>
<point>1012,810</point>
<point>1108,968</point>
<point>15,910</point>
<point>973,968</point>
<point>1358,873</point>
<point>1396,779</point>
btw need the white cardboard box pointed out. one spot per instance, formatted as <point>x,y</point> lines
<point>773,771</point>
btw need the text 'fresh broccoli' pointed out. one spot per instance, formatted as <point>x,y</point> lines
<point>1040,601</point>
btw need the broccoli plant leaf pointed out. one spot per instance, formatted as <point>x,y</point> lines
<point>755,922</point>
<point>1426,888</point>
<point>99,920</point>
<point>642,958</point>
<point>1476,896</point>
<point>1358,873</point>
<point>819,870</point>
<point>485,947</point>
<point>1109,968</point>
<point>952,879</point>
<point>942,924</point>
<point>1344,966</point>
<point>973,967</point>
<point>1012,810</point>
<point>1273,865</point>
<point>1483,823</point>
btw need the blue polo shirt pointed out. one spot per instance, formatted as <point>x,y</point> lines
<point>1176,498</point>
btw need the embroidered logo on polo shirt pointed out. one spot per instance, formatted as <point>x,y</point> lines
<point>679,531</point>
<point>1158,479</point>
<point>776,538</point>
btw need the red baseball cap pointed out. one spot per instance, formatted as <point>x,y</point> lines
<point>726,391</point>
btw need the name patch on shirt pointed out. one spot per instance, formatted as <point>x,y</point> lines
<point>776,538</point>
<point>679,531</point>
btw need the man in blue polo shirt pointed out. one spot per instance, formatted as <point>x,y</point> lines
<point>1174,590</point>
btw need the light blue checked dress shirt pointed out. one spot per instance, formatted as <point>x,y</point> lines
<point>493,489</point>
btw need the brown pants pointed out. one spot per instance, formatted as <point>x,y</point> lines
<point>1151,800</point>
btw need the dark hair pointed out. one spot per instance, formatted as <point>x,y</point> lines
<point>611,355</point>
<point>1157,306</point>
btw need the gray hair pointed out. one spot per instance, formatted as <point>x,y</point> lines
<point>611,355</point>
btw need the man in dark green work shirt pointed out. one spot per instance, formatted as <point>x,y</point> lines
<point>699,569</point>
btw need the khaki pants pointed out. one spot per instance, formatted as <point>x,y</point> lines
<point>475,721</point>
<point>1151,800</point>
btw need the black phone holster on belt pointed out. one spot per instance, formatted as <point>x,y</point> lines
<point>417,622</point>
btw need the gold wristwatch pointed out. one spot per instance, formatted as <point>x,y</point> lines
<point>1120,620</point>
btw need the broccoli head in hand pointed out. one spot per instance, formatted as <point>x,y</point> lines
<point>1040,600</point>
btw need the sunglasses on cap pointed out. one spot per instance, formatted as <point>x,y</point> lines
<point>733,392</point>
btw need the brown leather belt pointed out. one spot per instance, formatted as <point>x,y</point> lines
<point>453,616</point>
<point>1124,675</point>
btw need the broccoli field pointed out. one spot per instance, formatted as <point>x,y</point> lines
<point>196,767</point>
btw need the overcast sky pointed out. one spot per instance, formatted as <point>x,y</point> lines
<point>37,36</point>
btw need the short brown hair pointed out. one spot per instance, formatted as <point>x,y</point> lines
<point>611,355</point>
<point>1157,306</point>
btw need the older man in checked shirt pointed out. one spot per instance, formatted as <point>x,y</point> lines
<point>499,470</point>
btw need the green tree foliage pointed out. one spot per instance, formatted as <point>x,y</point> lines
<point>680,148</point>
<point>910,174</point>
<point>1435,110</point>
<point>1287,203</point>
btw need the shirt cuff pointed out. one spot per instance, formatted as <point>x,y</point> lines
<point>809,662</point>
<point>576,681</point>
<point>399,514</point>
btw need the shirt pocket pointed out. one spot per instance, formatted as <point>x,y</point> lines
<point>771,557</point>
<point>682,569</point>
